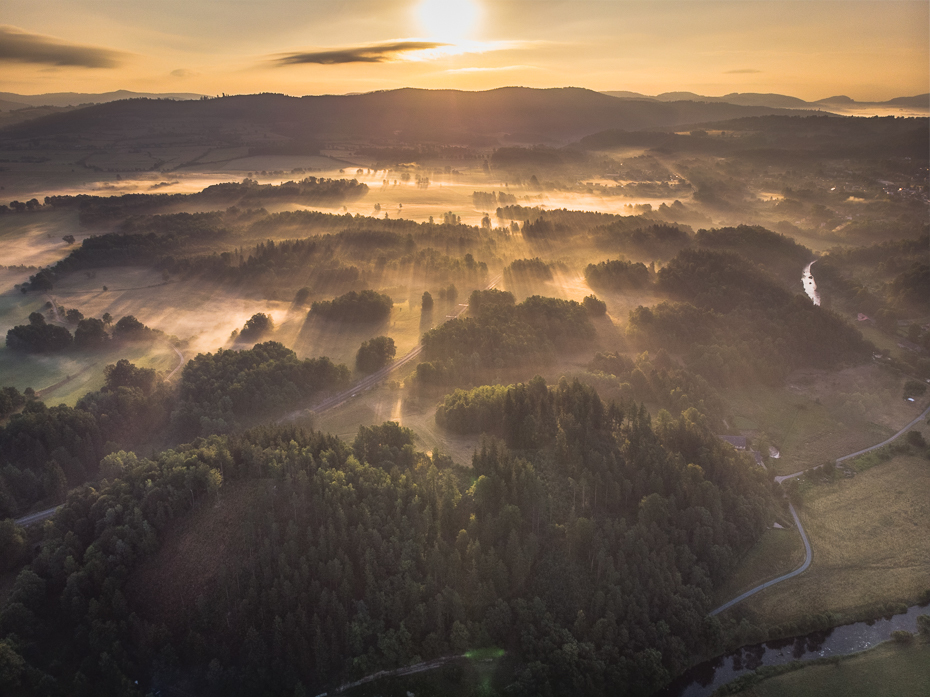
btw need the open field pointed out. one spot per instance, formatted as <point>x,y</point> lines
<point>65,378</point>
<point>35,239</point>
<point>871,541</point>
<point>888,670</point>
<point>820,415</point>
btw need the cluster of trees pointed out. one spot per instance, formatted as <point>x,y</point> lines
<point>45,450</point>
<point>592,555</point>
<point>776,253</point>
<point>655,241</point>
<point>10,400</point>
<point>38,336</point>
<point>657,379</point>
<point>430,265</point>
<point>528,270</point>
<point>594,306</point>
<point>490,200</point>
<point>364,306</point>
<point>41,337</point>
<point>220,391</point>
<point>122,249</point>
<point>310,190</point>
<point>375,353</point>
<point>735,324</point>
<point>257,326</point>
<point>618,275</point>
<point>499,334</point>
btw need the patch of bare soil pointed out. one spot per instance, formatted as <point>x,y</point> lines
<point>165,587</point>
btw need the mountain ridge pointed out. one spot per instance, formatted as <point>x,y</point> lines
<point>506,114</point>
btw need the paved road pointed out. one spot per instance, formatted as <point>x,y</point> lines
<point>373,379</point>
<point>808,556</point>
<point>863,451</point>
<point>33,518</point>
<point>179,366</point>
<point>807,545</point>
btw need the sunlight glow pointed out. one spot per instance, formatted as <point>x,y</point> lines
<point>448,20</point>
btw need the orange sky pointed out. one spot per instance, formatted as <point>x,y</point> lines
<point>805,48</point>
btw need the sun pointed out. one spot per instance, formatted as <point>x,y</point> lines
<point>448,20</point>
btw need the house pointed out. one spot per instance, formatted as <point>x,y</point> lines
<point>738,442</point>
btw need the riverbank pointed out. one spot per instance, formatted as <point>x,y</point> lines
<point>705,679</point>
<point>892,668</point>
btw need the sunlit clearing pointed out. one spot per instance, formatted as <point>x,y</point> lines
<point>448,20</point>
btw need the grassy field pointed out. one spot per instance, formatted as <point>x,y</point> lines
<point>35,239</point>
<point>777,552</point>
<point>819,415</point>
<point>871,541</point>
<point>888,670</point>
<point>65,378</point>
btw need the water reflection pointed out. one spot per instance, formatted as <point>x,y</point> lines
<point>810,285</point>
<point>705,678</point>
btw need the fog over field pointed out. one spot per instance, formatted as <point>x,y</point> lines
<point>463,348</point>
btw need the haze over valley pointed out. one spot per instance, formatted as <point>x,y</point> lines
<point>409,355</point>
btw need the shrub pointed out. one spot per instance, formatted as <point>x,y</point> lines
<point>375,354</point>
<point>595,307</point>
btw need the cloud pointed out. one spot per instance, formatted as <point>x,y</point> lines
<point>183,72</point>
<point>18,46</point>
<point>742,71</point>
<point>379,53</point>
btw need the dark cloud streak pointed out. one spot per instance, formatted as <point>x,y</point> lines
<point>18,46</point>
<point>379,53</point>
<point>742,71</point>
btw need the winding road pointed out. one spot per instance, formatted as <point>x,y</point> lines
<point>808,552</point>
<point>808,557</point>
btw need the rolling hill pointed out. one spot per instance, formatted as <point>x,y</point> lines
<point>513,114</point>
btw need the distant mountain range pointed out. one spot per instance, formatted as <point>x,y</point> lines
<point>512,114</point>
<point>10,100</point>
<point>921,101</point>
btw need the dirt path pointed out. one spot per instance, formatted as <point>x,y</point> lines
<point>55,308</point>
<point>45,390</point>
<point>180,365</point>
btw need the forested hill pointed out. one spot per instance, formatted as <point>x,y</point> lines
<point>520,113</point>
<point>590,557</point>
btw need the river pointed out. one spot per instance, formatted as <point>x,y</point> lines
<point>810,285</point>
<point>703,679</point>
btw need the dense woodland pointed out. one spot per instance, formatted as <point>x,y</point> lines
<point>221,391</point>
<point>589,552</point>
<point>500,333</point>
<point>736,324</point>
